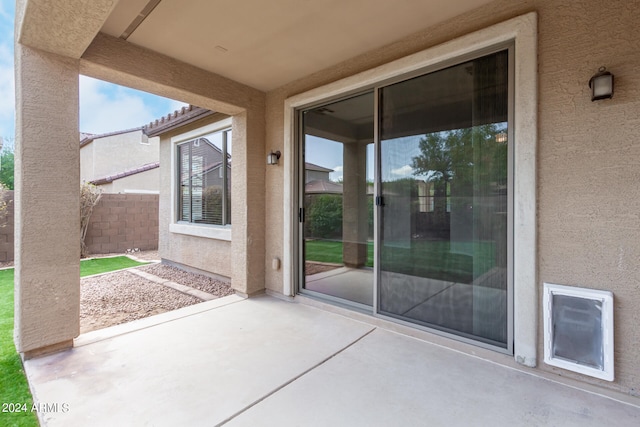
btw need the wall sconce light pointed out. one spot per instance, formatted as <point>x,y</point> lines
<point>272,158</point>
<point>601,85</point>
<point>501,137</point>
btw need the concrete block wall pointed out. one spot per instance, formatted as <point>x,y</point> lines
<point>123,221</point>
<point>6,230</point>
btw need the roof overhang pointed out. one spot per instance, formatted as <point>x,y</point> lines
<point>263,45</point>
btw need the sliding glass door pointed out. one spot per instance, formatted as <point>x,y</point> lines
<point>337,193</point>
<point>445,192</point>
<point>440,190</point>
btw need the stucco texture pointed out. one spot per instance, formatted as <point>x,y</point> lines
<point>588,169</point>
<point>210,255</point>
<point>47,305</point>
<point>117,61</point>
<point>117,153</point>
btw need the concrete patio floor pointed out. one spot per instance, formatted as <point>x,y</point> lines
<point>267,362</point>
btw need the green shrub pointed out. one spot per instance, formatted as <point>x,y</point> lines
<point>324,216</point>
<point>212,204</point>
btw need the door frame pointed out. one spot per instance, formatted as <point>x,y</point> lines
<point>300,176</point>
<point>522,32</point>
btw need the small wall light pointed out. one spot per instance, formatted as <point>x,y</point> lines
<point>501,137</point>
<point>601,85</point>
<point>272,158</point>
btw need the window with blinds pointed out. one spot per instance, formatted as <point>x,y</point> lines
<point>204,171</point>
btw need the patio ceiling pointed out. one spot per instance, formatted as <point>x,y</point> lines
<point>268,44</point>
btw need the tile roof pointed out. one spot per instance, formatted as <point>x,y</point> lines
<point>110,178</point>
<point>322,187</point>
<point>314,167</point>
<point>180,117</point>
<point>89,138</point>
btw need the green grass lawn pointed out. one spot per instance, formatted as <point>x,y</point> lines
<point>433,259</point>
<point>13,383</point>
<point>104,265</point>
<point>331,251</point>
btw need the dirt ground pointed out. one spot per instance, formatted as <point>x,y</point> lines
<point>311,268</point>
<point>119,297</point>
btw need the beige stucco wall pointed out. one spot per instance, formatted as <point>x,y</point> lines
<point>86,163</point>
<point>210,255</point>
<point>588,192</point>
<point>143,182</point>
<point>119,62</point>
<point>588,154</point>
<point>47,306</point>
<point>118,153</point>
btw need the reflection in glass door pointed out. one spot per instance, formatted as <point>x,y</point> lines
<point>442,198</point>
<point>444,185</point>
<point>337,194</point>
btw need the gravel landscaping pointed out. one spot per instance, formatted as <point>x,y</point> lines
<point>196,281</point>
<point>114,298</point>
<point>119,297</point>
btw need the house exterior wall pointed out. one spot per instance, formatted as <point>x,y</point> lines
<point>86,163</point>
<point>118,153</point>
<point>143,182</point>
<point>119,62</point>
<point>202,253</point>
<point>121,152</point>
<point>587,173</point>
<point>312,175</point>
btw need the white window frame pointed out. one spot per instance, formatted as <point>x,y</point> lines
<point>209,231</point>
<point>522,32</point>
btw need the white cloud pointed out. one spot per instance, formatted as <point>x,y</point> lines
<point>336,175</point>
<point>106,108</point>
<point>405,170</point>
<point>103,107</point>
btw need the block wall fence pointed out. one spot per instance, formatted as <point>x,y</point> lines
<point>123,221</point>
<point>118,222</point>
<point>6,230</point>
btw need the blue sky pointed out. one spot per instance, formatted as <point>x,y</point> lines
<point>104,107</point>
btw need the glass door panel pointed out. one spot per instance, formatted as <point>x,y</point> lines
<point>444,186</point>
<point>337,194</point>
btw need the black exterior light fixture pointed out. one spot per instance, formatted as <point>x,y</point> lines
<point>601,85</point>
<point>272,158</point>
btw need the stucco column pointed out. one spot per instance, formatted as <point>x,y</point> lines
<point>47,184</point>
<point>355,218</point>
<point>248,202</point>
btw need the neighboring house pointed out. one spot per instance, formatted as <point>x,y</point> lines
<point>127,161</point>
<point>317,181</point>
<point>316,173</point>
<point>488,101</point>
<point>120,162</point>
